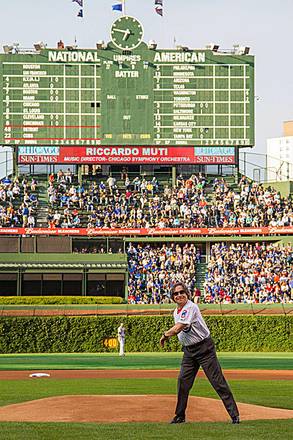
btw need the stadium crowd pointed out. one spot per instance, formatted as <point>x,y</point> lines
<point>249,273</point>
<point>251,206</point>
<point>153,269</point>
<point>236,272</point>
<point>142,203</point>
<point>18,202</point>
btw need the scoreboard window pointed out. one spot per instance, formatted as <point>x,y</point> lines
<point>221,83</point>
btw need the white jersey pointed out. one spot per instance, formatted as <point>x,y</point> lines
<point>196,329</point>
<point>121,332</point>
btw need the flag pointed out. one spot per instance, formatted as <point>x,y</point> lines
<point>157,2</point>
<point>80,14</point>
<point>117,7</point>
<point>159,10</point>
<point>80,2</point>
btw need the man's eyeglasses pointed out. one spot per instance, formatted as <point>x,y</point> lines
<point>179,292</point>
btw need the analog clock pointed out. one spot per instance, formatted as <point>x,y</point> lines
<point>126,33</point>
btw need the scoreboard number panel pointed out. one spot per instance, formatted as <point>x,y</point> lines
<point>203,98</point>
<point>47,103</point>
<point>127,94</point>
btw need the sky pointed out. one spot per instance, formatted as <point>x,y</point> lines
<point>263,25</point>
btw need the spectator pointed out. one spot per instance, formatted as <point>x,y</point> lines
<point>196,295</point>
<point>111,181</point>
<point>68,176</point>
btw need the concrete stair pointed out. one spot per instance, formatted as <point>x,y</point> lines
<point>43,204</point>
<point>200,275</point>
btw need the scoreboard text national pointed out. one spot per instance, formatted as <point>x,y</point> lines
<point>127,93</point>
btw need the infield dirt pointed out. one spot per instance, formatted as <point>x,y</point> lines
<point>144,374</point>
<point>129,408</point>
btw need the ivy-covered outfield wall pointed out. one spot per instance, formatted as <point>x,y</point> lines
<point>87,334</point>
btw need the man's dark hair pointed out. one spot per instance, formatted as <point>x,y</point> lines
<point>184,287</point>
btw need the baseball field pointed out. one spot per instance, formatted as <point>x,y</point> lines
<point>103,396</point>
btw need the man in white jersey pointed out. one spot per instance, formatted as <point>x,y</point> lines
<point>199,351</point>
<point>121,339</point>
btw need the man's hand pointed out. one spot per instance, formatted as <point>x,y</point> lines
<point>162,340</point>
<point>177,328</point>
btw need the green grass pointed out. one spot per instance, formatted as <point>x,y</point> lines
<point>252,430</point>
<point>61,361</point>
<point>268,393</point>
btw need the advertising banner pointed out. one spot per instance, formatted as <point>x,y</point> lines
<point>126,155</point>
<point>103,232</point>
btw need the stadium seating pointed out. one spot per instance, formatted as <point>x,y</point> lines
<point>235,272</point>
<point>194,202</point>
<point>18,202</point>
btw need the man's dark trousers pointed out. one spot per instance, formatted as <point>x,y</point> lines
<point>203,354</point>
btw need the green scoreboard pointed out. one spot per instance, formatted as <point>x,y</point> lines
<point>127,93</point>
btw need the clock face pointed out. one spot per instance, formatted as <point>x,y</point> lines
<point>126,33</point>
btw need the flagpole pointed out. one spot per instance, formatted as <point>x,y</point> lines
<point>124,7</point>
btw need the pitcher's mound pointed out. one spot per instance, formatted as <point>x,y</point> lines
<point>129,408</point>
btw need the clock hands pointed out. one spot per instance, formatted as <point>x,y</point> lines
<point>126,33</point>
<point>118,30</point>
